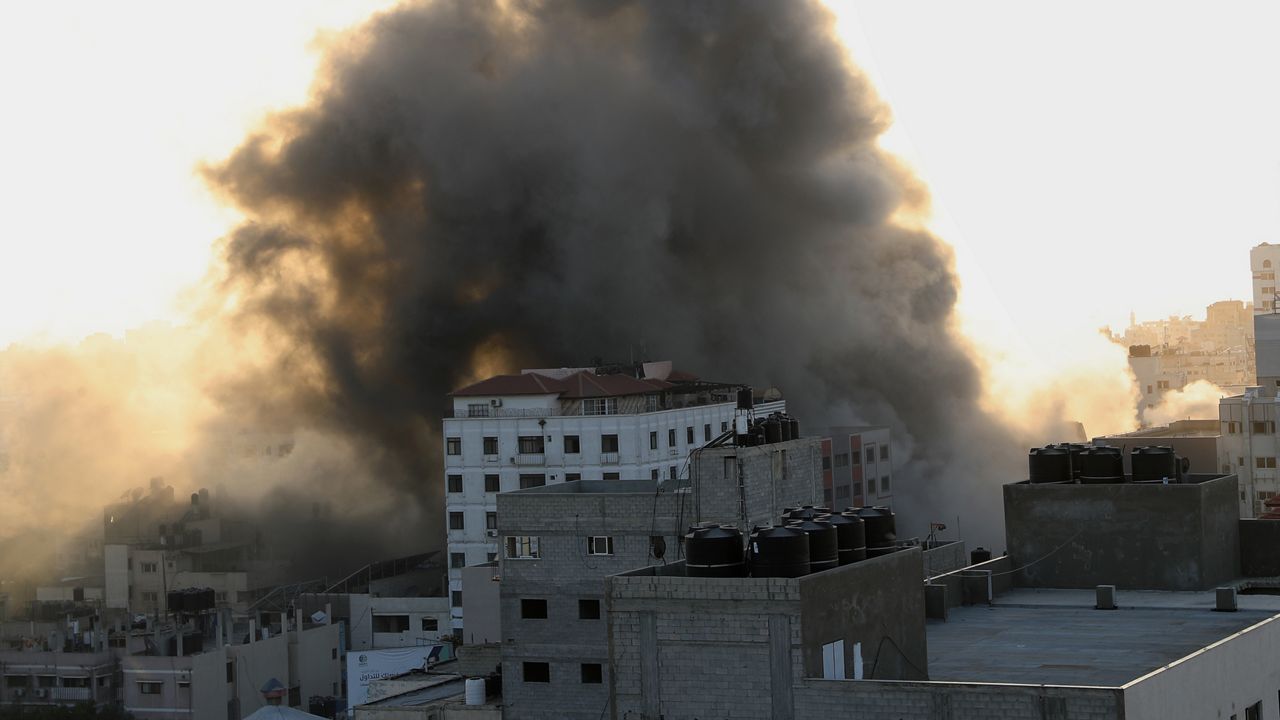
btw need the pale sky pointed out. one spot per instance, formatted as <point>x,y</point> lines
<point>1085,158</point>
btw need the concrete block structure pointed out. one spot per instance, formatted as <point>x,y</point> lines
<point>739,647</point>
<point>1181,536</point>
<point>561,541</point>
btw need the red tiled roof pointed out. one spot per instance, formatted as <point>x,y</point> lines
<point>578,385</point>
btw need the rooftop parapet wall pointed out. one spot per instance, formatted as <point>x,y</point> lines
<point>1132,535</point>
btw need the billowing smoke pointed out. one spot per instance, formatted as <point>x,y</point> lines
<point>478,186</point>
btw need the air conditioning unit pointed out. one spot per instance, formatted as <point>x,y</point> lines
<point>491,533</point>
<point>19,692</point>
<point>495,402</point>
<point>42,692</point>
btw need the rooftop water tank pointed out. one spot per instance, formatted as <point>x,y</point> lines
<point>851,534</point>
<point>1076,452</point>
<point>1102,464</point>
<point>824,543</point>
<point>805,512</point>
<point>1153,463</point>
<point>1048,464</point>
<point>714,551</point>
<point>881,530</point>
<point>779,552</point>
<point>772,430</point>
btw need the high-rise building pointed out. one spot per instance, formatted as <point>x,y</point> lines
<point>1264,260</point>
<point>540,427</point>
<point>856,467</point>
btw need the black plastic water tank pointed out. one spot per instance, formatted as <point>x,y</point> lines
<point>1048,464</point>
<point>1102,464</point>
<point>881,530</point>
<point>714,551</point>
<point>1076,452</point>
<point>824,543</point>
<point>851,534</point>
<point>772,430</point>
<point>804,512</point>
<point>174,599</point>
<point>784,426</point>
<point>779,552</point>
<point>979,555</point>
<point>1154,462</point>
<point>795,428</point>
<point>745,401</point>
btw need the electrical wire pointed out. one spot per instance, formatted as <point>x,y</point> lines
<point>1047,555</point>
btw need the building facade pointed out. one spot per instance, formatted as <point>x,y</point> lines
<point>1264,260</point>
<point>857,469</point>
<point>543,427</point>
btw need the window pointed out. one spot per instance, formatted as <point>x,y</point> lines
<point>453,446</point>
<point>833,661</point>
<point>531,481</point>
<point>1148,389</point>
<point>612,476</point>
<point>47,681</point>
<point>231,671</point>
<point>673,472</point>
<point>455,483</point>
<point>688,435</point>
<point>150,687</point>
<point>1266,263</point>
<point>842,492</point>
<point>1262,427</point>
<point>150,597</point>
<point>671,437</point>
<point>1254,711</point>
<point>706,432</point>
<point>855,458</point>
<point>522,547</point>
<point>390,623</point>
<point>570,477</point>
<point>455,598</point>
<point>429,624</point>
<point>477,410</point>
<point>650,403</point>
<point>457,560</point>
<point>588,609</point>
<point>1233,427</point>
<point>533,609</point>
<point>600,406</point>
<point>531,445</point>
<point>491,520</point>
<point>149,567</point>
<point>884,484</point>
<point>15,681</point>
<point>653,474</point>
<point>538,672</point>
<point>871,485</point>
<point>571,445</point>
<point>600,545</point>
<point>491,446</point>
<point>842,460</point>
<point>592,673</point>
<point>1265,462</point>
<point>456,521</point>
<point>492,483</point>
<point>653,439</point>
<point>490,557</point>
<point>724,426</point>
<point>609,443</point>
<point>884,452</point>
<point>871,453</point>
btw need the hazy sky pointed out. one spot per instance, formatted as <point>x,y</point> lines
<point>1085,159</point>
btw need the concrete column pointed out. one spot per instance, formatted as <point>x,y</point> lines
<point>780,667</point>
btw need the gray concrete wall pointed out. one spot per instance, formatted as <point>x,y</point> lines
<point>564,574</point>
<point>773,477</point>
<point>1134,536</point>
<point>481,604</point>
<point>875,700</point>
<point>945,558</point>
<point>876,606</point>
<point>1219,681</point>
<point>1259,540</point>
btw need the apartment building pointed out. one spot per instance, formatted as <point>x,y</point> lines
<point>857,468</point>
<point>1264,260</point>
<point>560,541</point>
<point>549,426</point>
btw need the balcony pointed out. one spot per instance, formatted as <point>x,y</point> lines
<point>500,412</point>
<point>609,458</point>
<point>69,694</point>
<point>531,459</point>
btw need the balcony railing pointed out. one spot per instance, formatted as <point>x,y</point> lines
<point>609,458</point>
<point>76,694</point>
<point>531,459</point>
<point>499,412</point>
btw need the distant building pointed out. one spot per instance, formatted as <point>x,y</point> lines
<point>1264,260</point>
<point>550,426</point>
<point>856,467</point>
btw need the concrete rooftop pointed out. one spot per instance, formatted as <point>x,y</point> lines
<point>1055,637</point>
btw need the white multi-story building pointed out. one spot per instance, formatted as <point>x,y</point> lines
<point>511,432</point>
<point>1264,260</point>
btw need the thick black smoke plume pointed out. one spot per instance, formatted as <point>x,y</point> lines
<point>481,185</point>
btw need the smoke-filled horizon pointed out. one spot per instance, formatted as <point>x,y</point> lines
<point>496,185</point>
